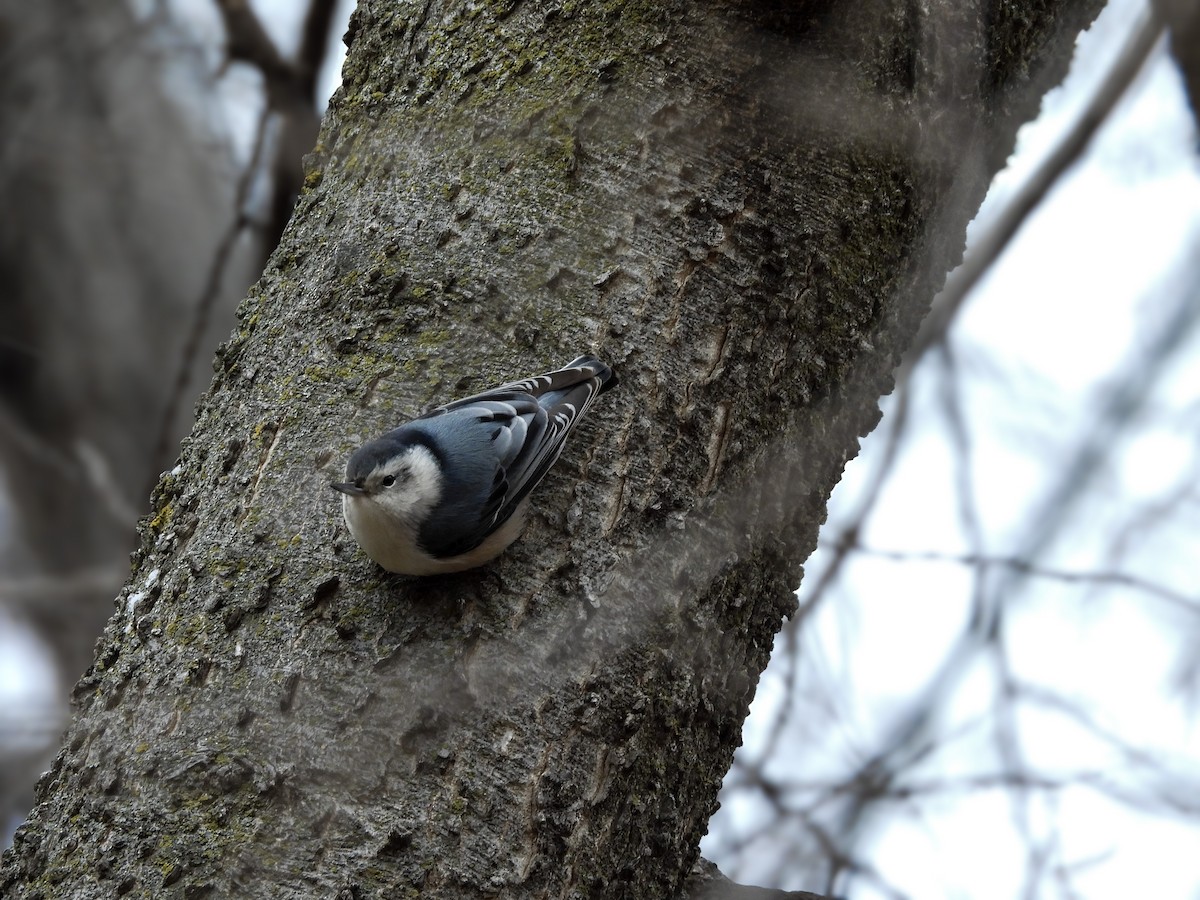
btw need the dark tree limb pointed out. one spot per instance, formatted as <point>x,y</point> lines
<point>1183,19</point>
<point>707,883</point>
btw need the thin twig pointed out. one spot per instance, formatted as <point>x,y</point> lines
<point>1026,567</point>
<point>212,288</point>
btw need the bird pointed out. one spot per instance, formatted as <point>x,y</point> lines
<point>449,490</point>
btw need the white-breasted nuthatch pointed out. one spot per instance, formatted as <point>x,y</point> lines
<point>448,491</point>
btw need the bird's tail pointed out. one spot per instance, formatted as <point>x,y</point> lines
<point>589,367</point>
<point>577,383</point>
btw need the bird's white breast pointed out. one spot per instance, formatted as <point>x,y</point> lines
<point>386,523</point>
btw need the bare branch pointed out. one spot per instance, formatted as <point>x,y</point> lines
<point>1028,567</point>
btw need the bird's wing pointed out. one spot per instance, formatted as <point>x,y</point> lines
<point>528,422</point>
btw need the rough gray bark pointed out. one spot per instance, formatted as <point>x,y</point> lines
<point>744,207</point>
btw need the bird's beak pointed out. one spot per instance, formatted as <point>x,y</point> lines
<point>350,488</point>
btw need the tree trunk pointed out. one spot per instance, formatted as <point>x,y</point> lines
<point>745,208</point>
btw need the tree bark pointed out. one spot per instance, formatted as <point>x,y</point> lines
<point>745,208</point>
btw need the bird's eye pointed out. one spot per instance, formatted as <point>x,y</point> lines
<point>388,480</point>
